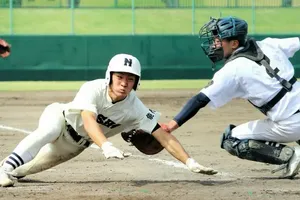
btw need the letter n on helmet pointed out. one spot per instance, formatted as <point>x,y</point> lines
<point>124,63</point>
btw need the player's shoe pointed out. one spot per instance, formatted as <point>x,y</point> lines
<point>14,176</point>
<point>291,169</point>
<point>6,179</point>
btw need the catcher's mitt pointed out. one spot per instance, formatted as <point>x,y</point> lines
<point>143,141</point>
<point>4,48</point>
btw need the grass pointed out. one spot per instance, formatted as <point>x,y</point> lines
<point>146,21</point>
<point>157,3</point>
<point>75,85</point>
<point>95,3</point>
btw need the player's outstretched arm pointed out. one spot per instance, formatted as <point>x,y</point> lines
<point>96,134</point>
<point>172,145</point>
<point>188,111</point>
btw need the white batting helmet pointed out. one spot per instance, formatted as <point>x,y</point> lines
<point>124,63</point>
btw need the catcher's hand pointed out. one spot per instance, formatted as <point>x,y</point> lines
<point>143,141</point>
<point>4,49</point>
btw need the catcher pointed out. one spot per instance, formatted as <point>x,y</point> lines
<point>4,48</point>
<point>101,109</point>
<point>260,72</point>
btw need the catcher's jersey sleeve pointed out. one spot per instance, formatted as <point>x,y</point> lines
<point>223,87</point>
<point>289,46</point>
<point>243,78</point>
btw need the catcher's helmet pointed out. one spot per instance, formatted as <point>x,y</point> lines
<point>124,63</point>
<point>222,28</point>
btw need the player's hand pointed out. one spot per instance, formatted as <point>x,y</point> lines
<point>197,168</point>
<point>4,49</point>
<point>171,126</point>
<point>110,151</point>
<point>165,127</point>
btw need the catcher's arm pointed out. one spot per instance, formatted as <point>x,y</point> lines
<point>4,49</point>
<point>189,110</point>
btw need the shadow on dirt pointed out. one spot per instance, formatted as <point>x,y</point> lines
<point>137,183</point>
<point>274,178</point>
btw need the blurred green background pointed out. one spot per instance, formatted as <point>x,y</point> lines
<point>131,17</point>
<point>75,39</point>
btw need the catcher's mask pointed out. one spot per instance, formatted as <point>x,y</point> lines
<point>124,63</point>
<point>216,30</point>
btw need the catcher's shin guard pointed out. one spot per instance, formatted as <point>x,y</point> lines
<point>260,151</point>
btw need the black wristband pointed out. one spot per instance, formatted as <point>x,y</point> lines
<point>156,127</point>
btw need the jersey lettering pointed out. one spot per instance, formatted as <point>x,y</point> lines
<point>128,62</point>
<point>150,116</point>
<point>106,122</point>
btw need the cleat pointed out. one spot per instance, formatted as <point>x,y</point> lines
<point>6,179</point>
<point>279,168</point>
<point>292,168</point>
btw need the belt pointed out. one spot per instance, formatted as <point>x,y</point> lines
<point>75,136</point>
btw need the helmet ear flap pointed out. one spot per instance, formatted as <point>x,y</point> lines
<point>110,78</point>
<point>137,82</point>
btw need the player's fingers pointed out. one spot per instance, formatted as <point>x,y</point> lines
<point>211,172</point>
<point>208,171</point>
<point>3,43</point>
<point>127,154</point>
<point>115,156</point>
<point>5,54</point>
<point>119,155</point>
<point>164,127</point>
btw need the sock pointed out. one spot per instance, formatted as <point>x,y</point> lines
<point>12,162</point>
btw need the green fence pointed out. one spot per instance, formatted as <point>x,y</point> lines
<point>149,3</point>
<point>86,57</point>
<point>132,17</point>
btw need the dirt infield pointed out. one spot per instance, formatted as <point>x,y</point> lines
<point>89,176</point>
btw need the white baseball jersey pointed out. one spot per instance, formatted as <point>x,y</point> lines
<point>243,78</point>
<point>113,118</point>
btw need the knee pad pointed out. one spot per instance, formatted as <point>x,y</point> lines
<point>260,151</point>
<point>226,134</point>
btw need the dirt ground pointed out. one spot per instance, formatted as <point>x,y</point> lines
<point>90,176</point>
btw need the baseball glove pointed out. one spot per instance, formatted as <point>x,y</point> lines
<point>4,48</point>
<point>143,141</point>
